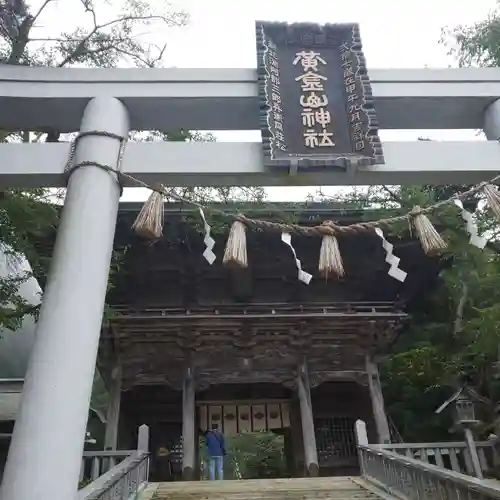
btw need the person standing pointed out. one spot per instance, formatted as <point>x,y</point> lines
<point>214,441</point>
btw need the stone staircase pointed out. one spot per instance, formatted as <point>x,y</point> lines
<point>327,488</point>
<point>386,475</point>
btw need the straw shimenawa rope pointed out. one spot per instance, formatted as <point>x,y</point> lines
<point>493,199</point>
<point>236,246</point>
<point>330,260</point>
<point>430,239</point>
<point>149,221</point>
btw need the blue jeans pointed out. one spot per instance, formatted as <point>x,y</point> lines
<point>216,464</point>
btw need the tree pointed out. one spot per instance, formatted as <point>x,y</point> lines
<point>477,44</point>
<point>258,454</point>
<point>454,331</point>
<point>107,35</point>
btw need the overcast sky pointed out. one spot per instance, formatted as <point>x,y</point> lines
<point>395,34</point>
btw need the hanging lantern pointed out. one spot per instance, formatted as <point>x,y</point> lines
<point>464,410</point>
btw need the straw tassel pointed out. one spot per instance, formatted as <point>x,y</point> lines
<point>330,260</point>
<point>149,222</point>
<point>493,199</point>
<point>430,239</point>
<point>236,246</point>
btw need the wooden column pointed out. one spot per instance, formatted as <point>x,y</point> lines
<point>297,439</point>
<point>188,427</point>
<point>383,433</point>
<point>113,412</point>
<point>306,414</point>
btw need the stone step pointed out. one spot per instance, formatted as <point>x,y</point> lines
<point>331,488</point>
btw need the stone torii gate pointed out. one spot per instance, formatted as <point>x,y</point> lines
<point>46,447</point>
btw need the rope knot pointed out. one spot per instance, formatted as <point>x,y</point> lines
<point>241,218</point>
<point>416,211</point>
<point>328,228</point>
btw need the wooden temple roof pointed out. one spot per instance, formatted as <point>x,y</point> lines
<point>254,324</point>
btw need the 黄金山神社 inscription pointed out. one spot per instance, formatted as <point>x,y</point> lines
<point>316,102</point>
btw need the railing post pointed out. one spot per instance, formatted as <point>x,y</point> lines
<point>143,438</point>
<point>471,447</point>
<point>361,440</point>
<point>361,434</point>
<point>143,444</point>
<point>47,444</point>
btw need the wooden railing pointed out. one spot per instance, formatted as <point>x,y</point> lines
<point>343,309</point>
<point>453,456</point>
<point>115,475</point>
<point>406,478</point>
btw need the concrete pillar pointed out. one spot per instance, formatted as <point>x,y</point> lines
<point>188,427</point>
<point>377,397</point>
<point>491,121</point>
<point>113,412</point>
<point>306,414</point>
<point>46,448</point>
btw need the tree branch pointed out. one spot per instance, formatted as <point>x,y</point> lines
<point>149,63</point>
<point>78,51</point>
<point>459,314</point>
<point>41,9</point>
<point>19,43</point>
<point>394,197</point>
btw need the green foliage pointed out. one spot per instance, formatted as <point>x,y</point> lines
<point>477,44</point>
<point>108,34</point>
<point>98,40</point>
<point>412,388</point>
<point>24,216</point>
<point>259,454</point>
<point>456,333</point>
<point>83,483</point>
<point>255,454</point>
<point>454,329</point>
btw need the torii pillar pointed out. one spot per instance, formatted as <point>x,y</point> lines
<point>491,121</point>
<point>47,444</point>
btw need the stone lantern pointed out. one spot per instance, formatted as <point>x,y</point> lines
<point>465,420</point>
<point>465,412</point>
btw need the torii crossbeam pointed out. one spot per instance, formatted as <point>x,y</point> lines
<point>45,452</point>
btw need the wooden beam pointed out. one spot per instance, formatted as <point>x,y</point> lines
<point>306,414</point>
<point>377,397</point>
